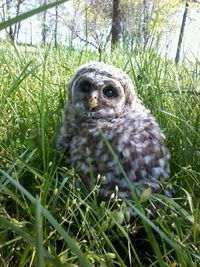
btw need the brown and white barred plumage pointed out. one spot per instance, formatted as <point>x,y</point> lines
<point>130,129</point>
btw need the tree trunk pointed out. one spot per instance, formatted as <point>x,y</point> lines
<point>31,34</point>
<point>56,27</point>
<point>180,40</point>
<point>44,26</point>
<point>6,10</point>
<point>116,23</point>
<point>145,22</point>
<point>17,26</point>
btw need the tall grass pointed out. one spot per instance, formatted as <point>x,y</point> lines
<point>45,219</point>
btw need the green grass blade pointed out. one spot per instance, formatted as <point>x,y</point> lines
<point>29,14</point>
<point>39,235</point>
<point>177,247</point>
<point>82,258</point>
<point>8,225</point>
<point>23,75</point>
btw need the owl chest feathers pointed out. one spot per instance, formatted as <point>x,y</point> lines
<point>136,139</point>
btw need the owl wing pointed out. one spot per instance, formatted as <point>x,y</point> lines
<point>64,138</point>
<point>141,150</point>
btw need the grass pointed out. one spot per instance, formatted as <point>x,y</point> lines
<point>45,219</point>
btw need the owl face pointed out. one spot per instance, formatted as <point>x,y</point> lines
<point>98,91</point>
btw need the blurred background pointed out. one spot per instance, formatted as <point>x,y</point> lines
<point>173,26</point>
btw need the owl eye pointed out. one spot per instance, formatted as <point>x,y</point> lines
<point>109,91</point>
<point>85,86</point>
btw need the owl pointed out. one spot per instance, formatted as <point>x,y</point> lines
<point>107,131</point>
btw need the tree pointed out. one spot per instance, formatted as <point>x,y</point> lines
<point>180,39</point>
<point>12,8</point>
<point>181,34</point>
<point>95,28</point>
<point>44,23</point>
<point>116,23</point>
<point>137,23</point>
<point>56,27</point>
<point>145,22</point>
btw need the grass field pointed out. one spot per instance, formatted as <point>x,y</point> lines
<point>45,220</point>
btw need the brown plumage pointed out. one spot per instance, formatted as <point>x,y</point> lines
<point>103,97</point>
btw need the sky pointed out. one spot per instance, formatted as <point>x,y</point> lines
<point>191,41</point>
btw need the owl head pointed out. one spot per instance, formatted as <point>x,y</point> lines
<point>98,90</point>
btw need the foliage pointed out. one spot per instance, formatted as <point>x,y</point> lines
<point>141,20</point>
<point>45,218</point>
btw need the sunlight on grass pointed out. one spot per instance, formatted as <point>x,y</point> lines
<point>45,217</point>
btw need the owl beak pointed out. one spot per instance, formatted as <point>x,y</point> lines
<point>92,103</point>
